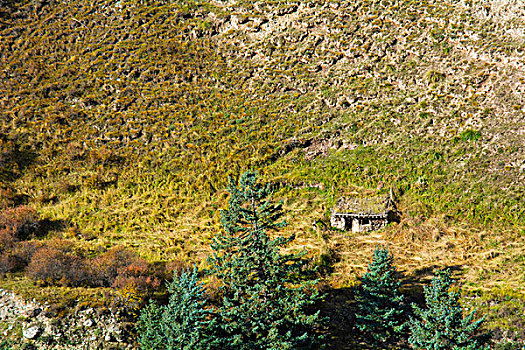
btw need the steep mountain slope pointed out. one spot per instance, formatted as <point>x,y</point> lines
<point>123,120</point>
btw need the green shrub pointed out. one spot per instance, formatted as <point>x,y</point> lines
<point>470,135</point>
<point>509,346</point>
<point>183,324</point>
<point>441,326</point>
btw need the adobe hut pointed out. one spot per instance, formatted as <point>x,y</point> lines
<point>362,214</point>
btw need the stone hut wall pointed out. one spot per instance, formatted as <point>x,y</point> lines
<point>361,223</point>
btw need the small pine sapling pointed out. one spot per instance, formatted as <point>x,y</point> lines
<point>183,324</point>
<point>441,325</point>
<point>380,304</point>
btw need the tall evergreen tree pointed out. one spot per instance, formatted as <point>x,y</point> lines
<point>441,326</point>
<point>264,303</point>
<point>240,255</point>
<point>380,303</point>
<point>183,324</point>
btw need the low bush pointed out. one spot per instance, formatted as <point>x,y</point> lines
<point>7,239</point>
<point>106,266</point>
<point>136,275</point>
<point>25,250</point>
<point>55,266</point>
<point>58,263</point>
<point>9,263</point>
<point>118,266</point>
<point>175,268</point>
<point>22,221</point>
<point>14,255</point>
<point>18,223</point>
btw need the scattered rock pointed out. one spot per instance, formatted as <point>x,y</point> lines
<point>31,332</point>
<point>86,329</point>
<point>34,312</point>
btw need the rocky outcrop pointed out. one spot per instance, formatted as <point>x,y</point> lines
<point>24,321</point>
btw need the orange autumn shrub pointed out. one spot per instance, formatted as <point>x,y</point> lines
<point>120,267</point>
<point>16,224</point>
<point>57,264</point>
<point>21,222</point>
<point>136,275</point>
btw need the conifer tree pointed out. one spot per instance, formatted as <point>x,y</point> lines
<point>264,303</point>
<point>380,303</point>
<point>183,324</point>
<point>243,254</point>
<point>441,326</point>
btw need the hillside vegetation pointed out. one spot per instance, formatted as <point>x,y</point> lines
<point>120,122</point>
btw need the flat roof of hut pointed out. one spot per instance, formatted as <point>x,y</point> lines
<point>366,206</point>
<point>362,213</point>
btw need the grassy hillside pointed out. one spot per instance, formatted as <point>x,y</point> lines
<point>120,122</point>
